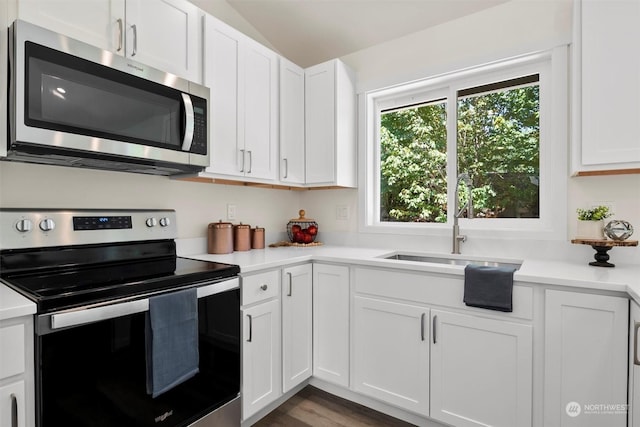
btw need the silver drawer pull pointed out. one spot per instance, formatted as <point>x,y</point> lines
<point>422,317</point>
<point>14,410</point>
<point>250,328</point>
<point>263,287</point>
<point>635,343</point>
<point>435,320</point>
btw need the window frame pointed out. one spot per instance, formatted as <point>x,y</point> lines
<point>552,67</point>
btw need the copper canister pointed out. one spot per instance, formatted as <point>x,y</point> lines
<point>257,238</point>
<point>241,237</point>
<point>220,238</point>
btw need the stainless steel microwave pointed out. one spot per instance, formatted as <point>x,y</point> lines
<point>73,104</point>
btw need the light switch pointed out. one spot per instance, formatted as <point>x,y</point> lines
<point>342,212</point>
<point>231,212</point>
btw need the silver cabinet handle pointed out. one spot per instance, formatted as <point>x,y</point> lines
<point>636,326</point>
<point>121,35</point>
<point>250,161</point>
<point>286,168</point>
<point>242,168</point>
<point>134,27</point>
<point>290,284</point>
<point>250,327</point>
<point>189,122</point>
<point>14,410</point>
<point>264,287</point>
<point>435,320</point>
<point>422,316</point>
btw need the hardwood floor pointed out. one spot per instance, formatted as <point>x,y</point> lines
<point>316,408</point>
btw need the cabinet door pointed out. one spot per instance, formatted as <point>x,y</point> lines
<point>481,371</point>
<point>391,353</point>
<point>585,359</point>
<point>259,107</point>
<point>291,123</point>
<point>99,23</point>
<point>165,35</point>
<point>320,121</point>
<point>331,323</point>
<point>12,405</point>
<point>261,356</point>
<point>609,66</point>
<point>634,365</point>
<point>297,332</point>
<point>221,56</point>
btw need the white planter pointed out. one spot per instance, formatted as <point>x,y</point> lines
<point>590,230</point>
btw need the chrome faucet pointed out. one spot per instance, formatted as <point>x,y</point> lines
<point>457,237</point>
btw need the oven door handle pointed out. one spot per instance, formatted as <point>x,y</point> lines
<point>89,315</point>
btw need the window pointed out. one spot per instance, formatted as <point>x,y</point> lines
<point>500,124</point>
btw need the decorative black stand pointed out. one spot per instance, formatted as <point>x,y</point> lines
<point>602,247</point>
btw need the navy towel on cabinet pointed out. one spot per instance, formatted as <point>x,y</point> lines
<point>489,287</point>
<point>171,340</point>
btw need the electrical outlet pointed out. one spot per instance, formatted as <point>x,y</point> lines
<point>231,212</point>
<point>342,212</point>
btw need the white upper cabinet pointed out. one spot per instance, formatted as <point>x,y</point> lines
<point>243,78</point>
<point>330,125</point>
<point>606,86</point>
<point>291,123</point>
<point>164,34</point>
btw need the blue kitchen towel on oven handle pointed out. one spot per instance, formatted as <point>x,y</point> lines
<point>171,340</point>
<point>489,287</point>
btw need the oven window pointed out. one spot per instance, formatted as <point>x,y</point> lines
<point>66,93</point>
<point>95,375</point>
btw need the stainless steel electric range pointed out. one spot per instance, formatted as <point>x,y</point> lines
<point>92,275</point>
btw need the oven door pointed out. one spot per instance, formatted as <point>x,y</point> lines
<point>91,367</point>
<point>69,95</point>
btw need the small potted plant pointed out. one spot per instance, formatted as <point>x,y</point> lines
<point>590,222</point>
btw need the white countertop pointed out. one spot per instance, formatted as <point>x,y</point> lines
<point>12,304</point>
<point>622,278</point>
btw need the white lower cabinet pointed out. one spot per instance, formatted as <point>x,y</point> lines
<point>481,371</point>
<point>331,323</point>
<point>261,351</point>
<point>634,365</point>
<point>297,332</point>
<point>17,406</point>
<point>391,353</point>
<point>585,362</point>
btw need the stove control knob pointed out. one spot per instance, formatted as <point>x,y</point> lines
<point>24,225</point>
<point>151,222</point>
<point>47,224</point>
<point>165,222</point>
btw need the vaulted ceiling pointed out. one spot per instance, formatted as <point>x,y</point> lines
<point>312,31</point>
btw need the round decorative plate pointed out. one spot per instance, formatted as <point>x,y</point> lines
<point>618,230</point>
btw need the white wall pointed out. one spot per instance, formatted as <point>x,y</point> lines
<point>509,29</point>
<point>196,204</point>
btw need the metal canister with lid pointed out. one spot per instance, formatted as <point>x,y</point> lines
<point>241,237</point>
<point>257,238</point>
<point>220,238</point>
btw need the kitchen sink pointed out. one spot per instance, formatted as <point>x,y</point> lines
<point>451,260</point>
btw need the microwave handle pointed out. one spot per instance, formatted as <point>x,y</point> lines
<point>96,314</point>
<point>189,122</point>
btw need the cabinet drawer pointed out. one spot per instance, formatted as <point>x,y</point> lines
<point>11,350</point>
<point>260,287</point>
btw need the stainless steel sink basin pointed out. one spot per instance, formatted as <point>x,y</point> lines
<point>451,261</point>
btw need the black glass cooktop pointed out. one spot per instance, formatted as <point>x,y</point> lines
<point>69,277</point>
